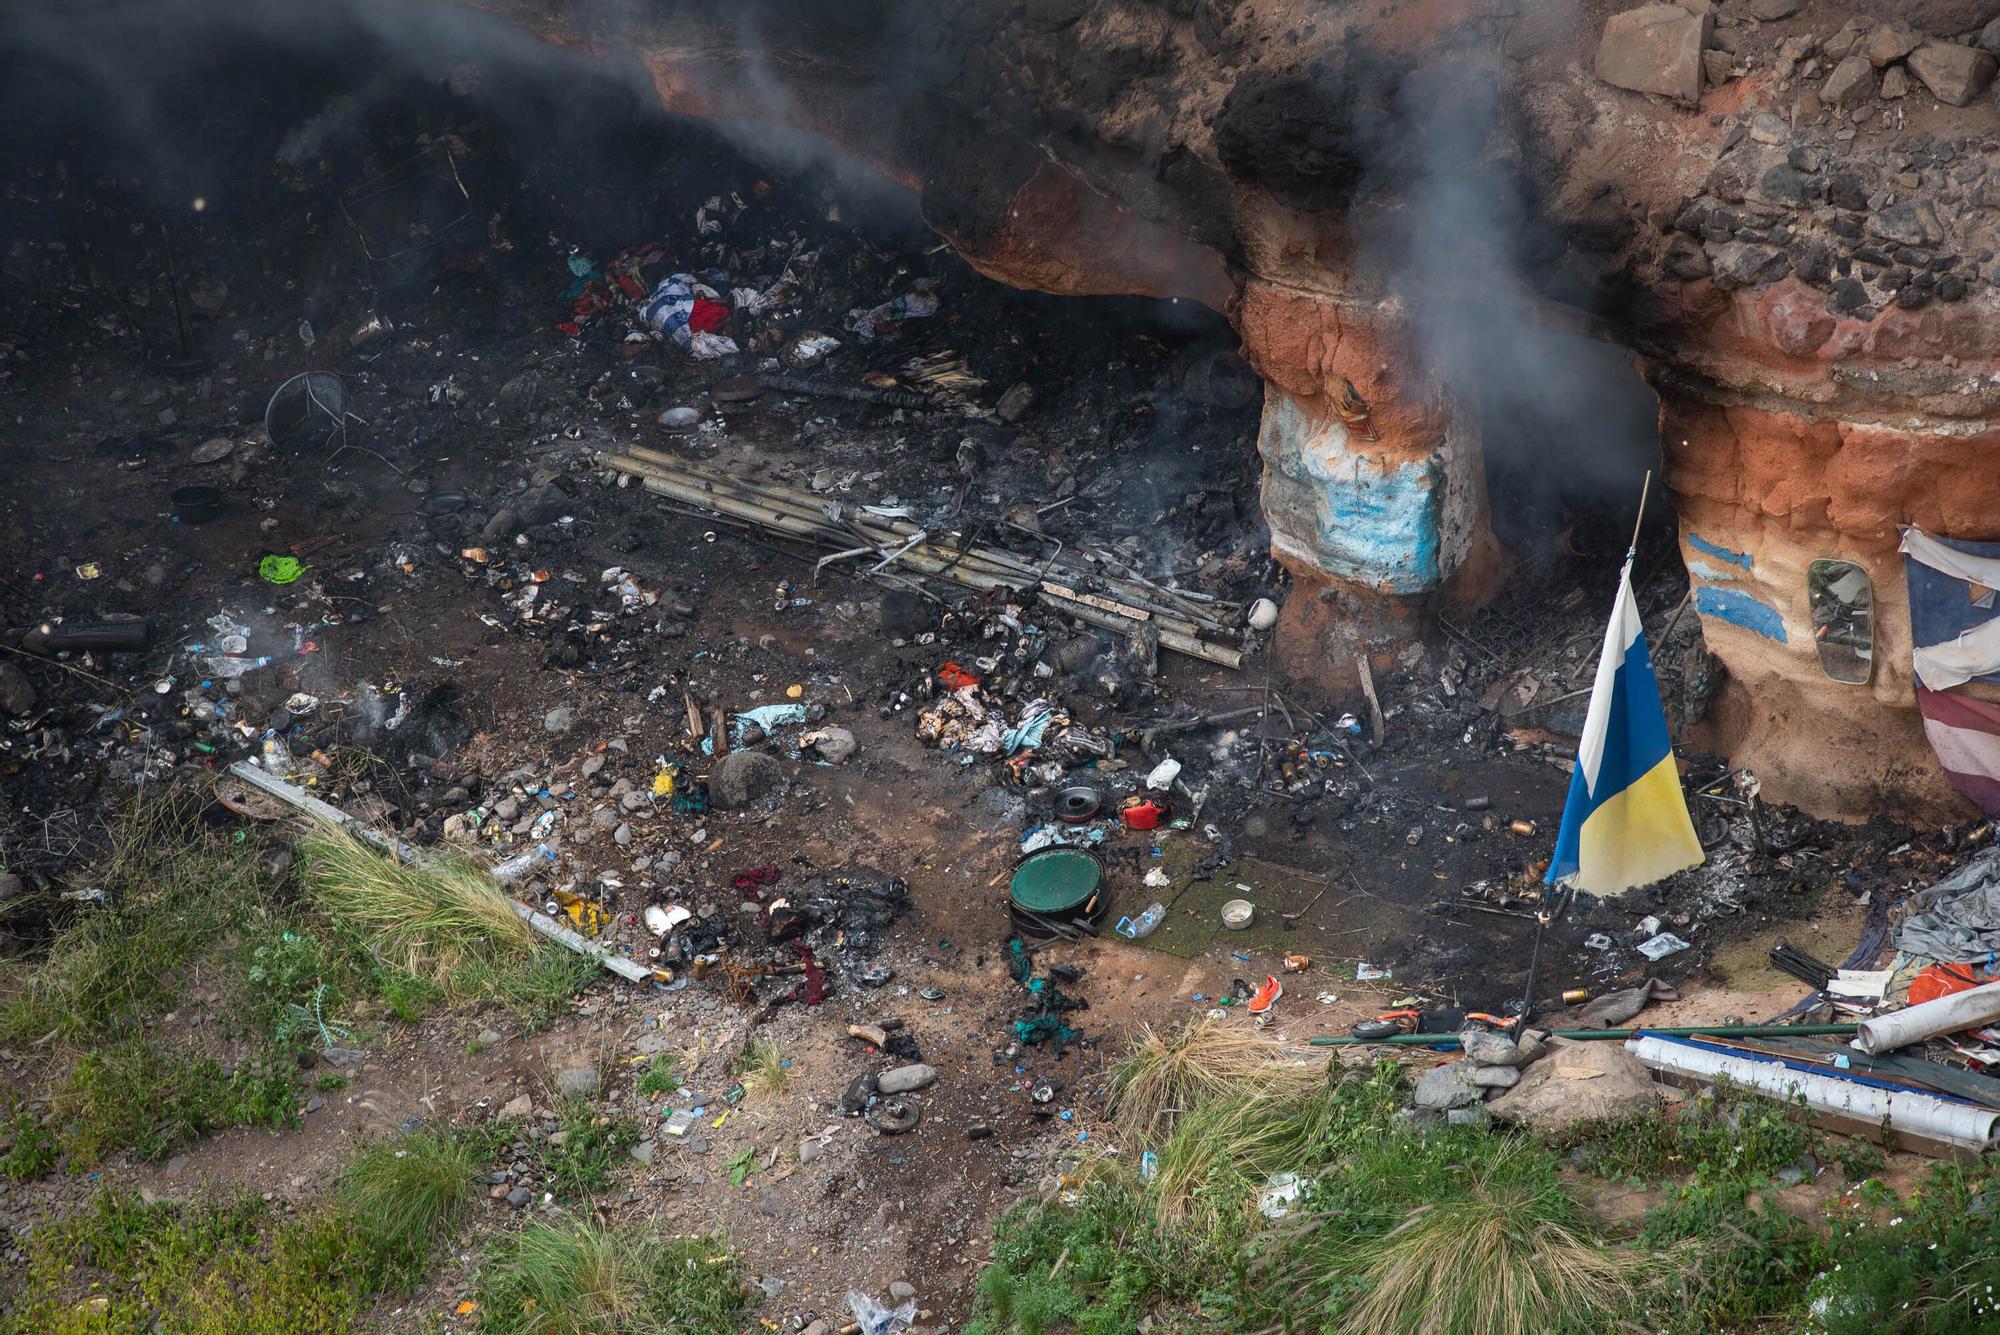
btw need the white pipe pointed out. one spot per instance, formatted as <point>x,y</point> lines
<point>1944,1015</point>
<point>1913,1114</point>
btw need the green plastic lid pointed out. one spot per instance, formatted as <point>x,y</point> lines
<point>1055,880</point>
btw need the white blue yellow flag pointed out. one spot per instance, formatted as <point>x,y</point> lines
<point>1626,823</point>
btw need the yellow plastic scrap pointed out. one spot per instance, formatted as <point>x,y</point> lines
<point>466,1307</point>
<point>587,916</point>
<point>663,783</point>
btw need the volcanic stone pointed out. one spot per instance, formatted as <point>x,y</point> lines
<point>17,693</point>
<point>1740,264</point>
<point>1655,49</point>
<point>1903,223</point>
<point>1852,80</point>
<point>1770,11</point>
<point>1955,74</point>
<point>741,777</point>
<point>1446,1087</point>
<point>1891,42</point>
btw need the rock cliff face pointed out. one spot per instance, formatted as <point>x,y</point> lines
<point>1789,212</point>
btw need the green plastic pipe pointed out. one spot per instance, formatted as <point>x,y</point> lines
<point>1590,1035</point>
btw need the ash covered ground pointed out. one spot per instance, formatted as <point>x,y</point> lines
<point>499,641</point>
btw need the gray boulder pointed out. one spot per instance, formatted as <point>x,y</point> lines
<point>1575,1083</point>
<point>578,1082</point>
<point>1488,1048</point>
<point>1655,49</point>
<point>1449,1086</point>
<point>1852,80</point>
<point>741,777</point>
<point>1955,74</point>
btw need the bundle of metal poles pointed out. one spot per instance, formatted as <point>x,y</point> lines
<point>1187,624</point>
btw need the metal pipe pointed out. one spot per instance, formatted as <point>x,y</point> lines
<point>1174,634</point>
<point>647,462</point>
<point>1598,1035</point>
<point>1909,1112</point>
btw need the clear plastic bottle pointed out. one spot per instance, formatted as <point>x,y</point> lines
<point>526,862</point>
<point>1134,928</point>
<point>277,757</point>
<point>229,667</point>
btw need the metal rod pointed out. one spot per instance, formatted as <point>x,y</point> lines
<point>647,462</point>
<point>1599,1035</point>
<point>1645,488</point>
<point>174,286</point>
<point>1176,634</point>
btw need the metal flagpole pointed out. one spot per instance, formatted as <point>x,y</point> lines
<point>1566,894</point>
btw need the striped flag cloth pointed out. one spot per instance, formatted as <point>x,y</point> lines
<point>1955,631</point>
<point>1626,822</point>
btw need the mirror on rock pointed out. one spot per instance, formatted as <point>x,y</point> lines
<point>1843,619</point>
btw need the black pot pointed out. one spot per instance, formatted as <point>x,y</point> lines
<point>196,505</point>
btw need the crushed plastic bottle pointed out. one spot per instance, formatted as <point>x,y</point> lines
<point>231,666</point>
<point>277,757</point>
<point>1134,928</point>
<point>525,862</point>
<point>873,1318</point>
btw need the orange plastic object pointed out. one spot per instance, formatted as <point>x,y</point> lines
<point>1143,816</point>
<point>955,677</point>
<point>1941,980</point>
<point>1261,999</point>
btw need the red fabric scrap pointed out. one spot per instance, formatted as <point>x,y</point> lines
<point>707,316</point>
<point>815,980</point>
<point>956,678</point>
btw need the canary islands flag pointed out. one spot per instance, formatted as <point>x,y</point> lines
<point>1626,823</point>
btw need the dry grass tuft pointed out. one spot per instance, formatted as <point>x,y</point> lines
<point>1503,1261</point>
<point>1167,1075</point>
<point>444,922</point>
<point>762,1067</point>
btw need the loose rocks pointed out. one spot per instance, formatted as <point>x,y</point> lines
<point>1655,49</point>
<point>1447,1087</point>
<point>1954,74</point>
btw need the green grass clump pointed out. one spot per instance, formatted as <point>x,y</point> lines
<point>173,888</point>
<point>119,1267</point>
<point>406,1197</point>
<point>1165,1074</point>
<point>27,1148</point>
<point>583,1278</point>
<point>763,1067</point>
<point>444,922</point>
<point>592,1145</point>
<point>1509,1255</point>
<point>661,1076</point>
<point>137,1096</point>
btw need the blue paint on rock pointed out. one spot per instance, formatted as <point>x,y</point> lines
<point>1740,609</point>
<point>1380,525</point>
<point>1712,573</point>
<point>1720,553</point>
<point>1351,514</point>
